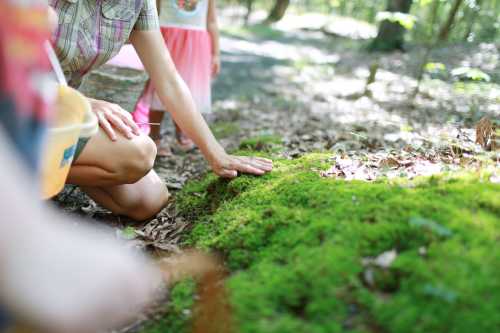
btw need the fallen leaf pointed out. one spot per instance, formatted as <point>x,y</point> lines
<point>485,134</point>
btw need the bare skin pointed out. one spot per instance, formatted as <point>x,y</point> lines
<point>121,176</point>
<point>156,117</point>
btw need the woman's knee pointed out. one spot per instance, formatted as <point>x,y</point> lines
<point>137,160</point>
<point>117,162</point>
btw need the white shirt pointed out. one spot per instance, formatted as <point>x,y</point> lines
<point>185,14</point>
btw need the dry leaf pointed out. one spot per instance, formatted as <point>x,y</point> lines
<point>485,134</point>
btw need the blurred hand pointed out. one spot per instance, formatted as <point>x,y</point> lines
<point>228,166</point>
<point>215,65</point>
<point>112,117</point>
<point>69,278</point>
<point>52,18</point>
<point>59,274</point>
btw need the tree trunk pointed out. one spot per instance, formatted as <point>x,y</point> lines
<point>391,34</point>
<point>278,11</point>
<point>472,19</point>
<point>446,28</point>
<point>434,15</point>
<point>249,5</point>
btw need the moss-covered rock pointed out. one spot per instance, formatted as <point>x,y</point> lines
<point>303,251</point>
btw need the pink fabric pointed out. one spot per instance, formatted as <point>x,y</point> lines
<point>191,53</point>
<point>127,58</point>
<point>141,111</point>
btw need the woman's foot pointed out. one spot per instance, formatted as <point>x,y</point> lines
<point>185,143</point>
<point>162,147</point>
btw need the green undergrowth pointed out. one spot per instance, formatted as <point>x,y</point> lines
<point>223,130</point>
<point>301,249</point>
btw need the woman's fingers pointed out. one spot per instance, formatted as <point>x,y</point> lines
<point>129,121</point>
<point>225,173</point>
<point>112,117</point>
<point>264,165</point>
<point>251,165</point>
<point>261,164</point>
<point>119,125</point>
<point>264,160</point>
<point>106,126</point>
<point>247,166</point>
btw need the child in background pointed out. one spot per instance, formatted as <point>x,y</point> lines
<point>191,34</point>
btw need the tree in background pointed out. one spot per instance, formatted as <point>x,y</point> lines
<point>474,12</point>
<point>391,31</point>
<point>249,8</point>
<point>278,11</point>
<point>446,28</point>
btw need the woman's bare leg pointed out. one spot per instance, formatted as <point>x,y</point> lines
<point>118,175</point>
<point>138,201</point>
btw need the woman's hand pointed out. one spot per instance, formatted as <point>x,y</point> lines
<point>228,166</point>
<point>52,18</point>
<point>112,117</point>
<point>215,65</point>
<point>71,278</point>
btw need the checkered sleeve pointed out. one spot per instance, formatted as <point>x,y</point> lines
<point>148,17</point>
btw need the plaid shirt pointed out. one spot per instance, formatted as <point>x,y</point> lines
<point>91,32</point>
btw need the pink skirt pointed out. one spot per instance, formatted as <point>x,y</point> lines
<point>191,52</point>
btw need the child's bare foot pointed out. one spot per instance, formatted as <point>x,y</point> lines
<point>162,147</point>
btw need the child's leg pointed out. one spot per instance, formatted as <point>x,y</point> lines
<point>141,110</point>
<point>185,143</point>
<point>156,117</point>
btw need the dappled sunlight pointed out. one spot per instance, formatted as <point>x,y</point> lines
<point>277,50</point>
<point>331,85</point>
<point>347,27</point>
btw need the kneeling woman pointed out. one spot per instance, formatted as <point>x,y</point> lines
<point>115,166</point>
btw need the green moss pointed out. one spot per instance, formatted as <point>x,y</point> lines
<point>223,130</point>
<point>178,311</point>
<point>266,143</point>
<point>295,243</point>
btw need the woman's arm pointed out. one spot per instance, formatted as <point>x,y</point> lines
<point>177,99</point>
<point>213,30</point>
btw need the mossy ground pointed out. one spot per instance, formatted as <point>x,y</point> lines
<point>295,244</point>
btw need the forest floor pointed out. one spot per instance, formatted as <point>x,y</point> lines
<point>300,96</point>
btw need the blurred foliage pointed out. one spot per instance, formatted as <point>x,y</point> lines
<point>470,74</point>
<point>475,21</point>
<point>405,20</point>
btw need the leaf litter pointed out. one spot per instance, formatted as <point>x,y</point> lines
<point>459,152</point>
